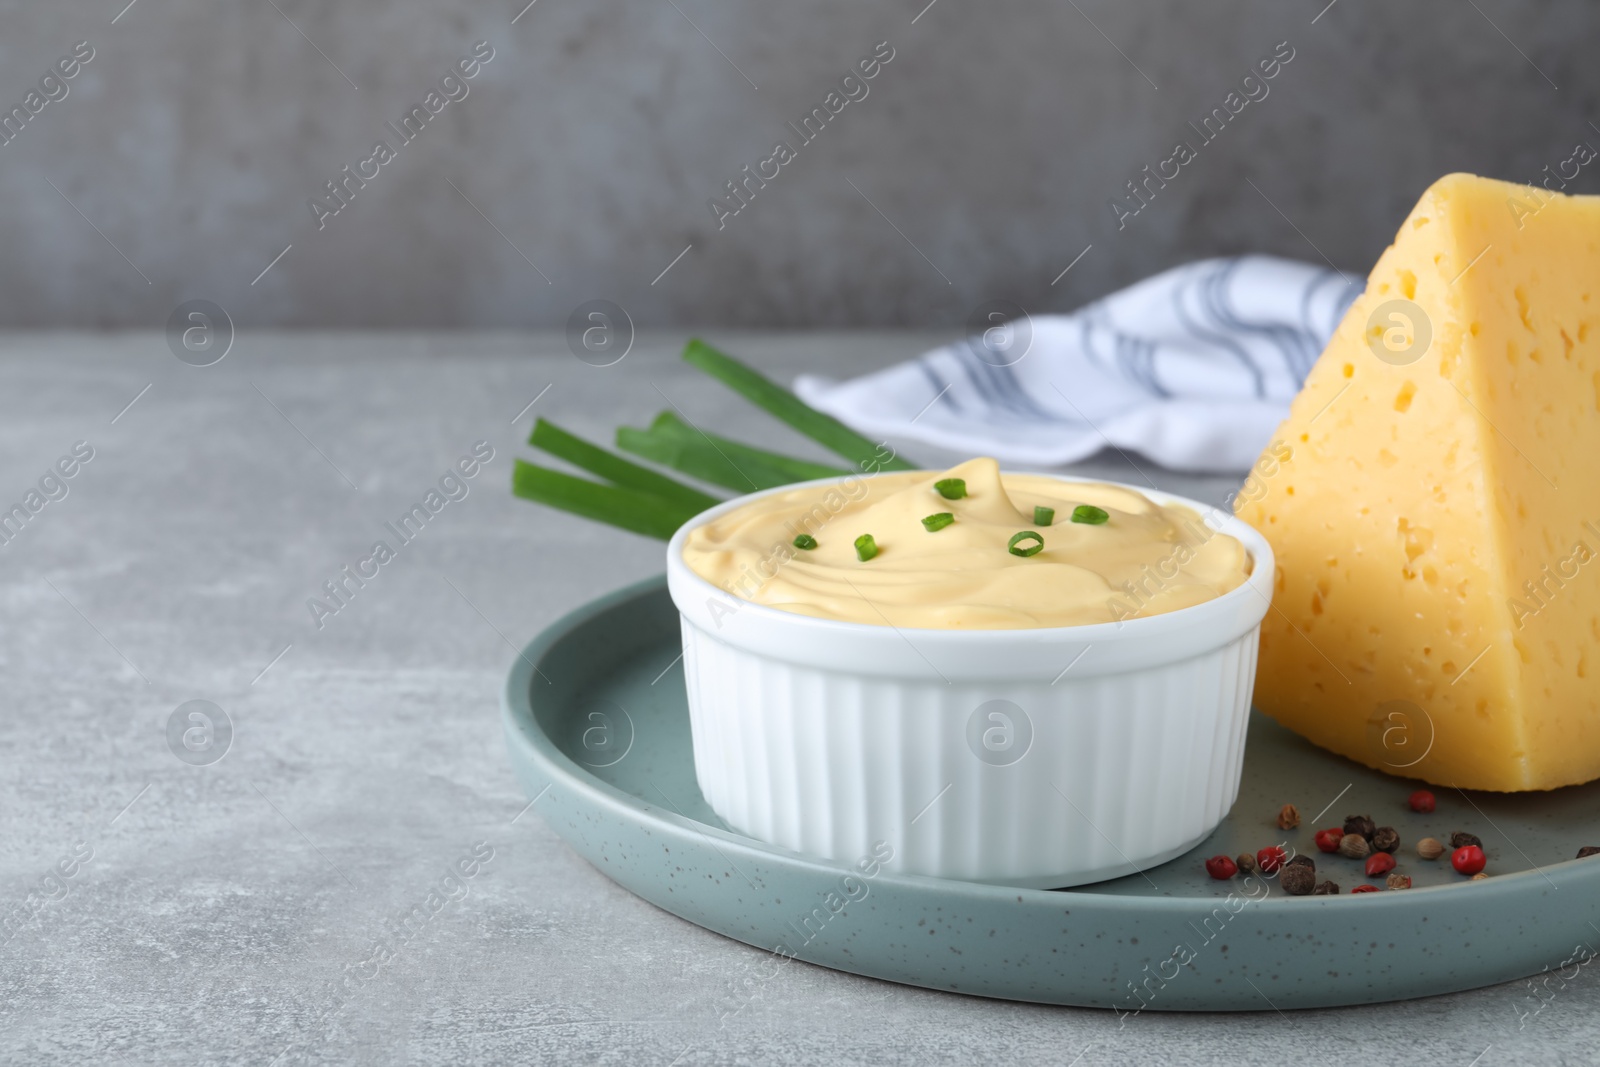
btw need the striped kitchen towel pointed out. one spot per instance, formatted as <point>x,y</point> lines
<point>1194,368</point>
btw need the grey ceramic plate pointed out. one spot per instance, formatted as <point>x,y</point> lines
<point>598,729</point>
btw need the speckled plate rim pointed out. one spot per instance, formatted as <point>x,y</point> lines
<point>1528,892</point>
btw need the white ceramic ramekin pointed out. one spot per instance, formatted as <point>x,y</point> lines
<point>1039,758</point>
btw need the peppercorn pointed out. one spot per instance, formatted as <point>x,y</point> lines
<point>1480,876</point>
<point>1297,879</point>
<point>1221,868</point>
<point>1270,859</point>
<point>1398,881</point>
<point>1468,859</point>
<point>1422,801</point>
<point>1328,840</point>
<point>1359,824</point>
<point>1247,863</point>
<point>1462,840</point>
<point>1379,863</point>
<point>1302,861</point>
<point>1354,846</point>
<point>1365,887</point>
<point>1385,839</point>
<point>1588,850</point>
<point>1326,889</point>
<point>1288,817</point>
<point>1430,848</point>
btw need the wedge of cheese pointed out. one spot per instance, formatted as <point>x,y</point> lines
<point>1434,503</point>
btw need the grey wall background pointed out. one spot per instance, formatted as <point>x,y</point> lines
<point>593,139</point>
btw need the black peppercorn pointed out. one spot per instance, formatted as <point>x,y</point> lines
<point>1302,861</point>
<point>1588,850</point>
<point>1297,879</point>
<point>1326,889</point>
<point>1361,825</point>
<point>1462,840</point>
<point>1385,839</point>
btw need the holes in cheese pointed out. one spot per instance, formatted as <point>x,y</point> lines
<point>1435,507</point>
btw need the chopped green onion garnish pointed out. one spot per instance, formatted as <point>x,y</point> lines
<point>951,488</point>
<point>1090,514</point>
<point>866,547</point>
<point>805,541</point>
<point>934,523</point>
<point>1019,549</point>
<point>1043,516</point>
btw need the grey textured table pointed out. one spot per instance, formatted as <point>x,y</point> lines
<point>249,910</point>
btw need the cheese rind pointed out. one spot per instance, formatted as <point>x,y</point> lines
<point>1434,503</point>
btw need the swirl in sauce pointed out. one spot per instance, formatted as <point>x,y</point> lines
<point>1146,559</point>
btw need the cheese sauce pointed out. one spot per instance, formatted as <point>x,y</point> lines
<point>1145,559</point>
